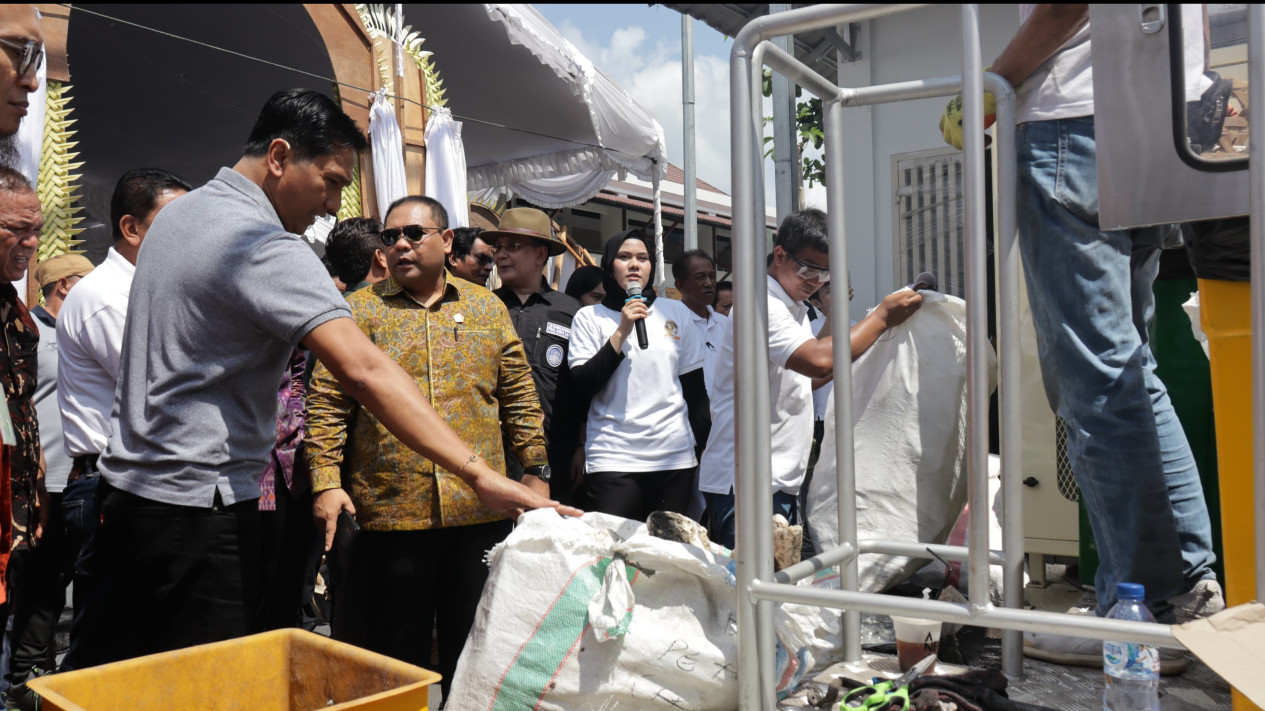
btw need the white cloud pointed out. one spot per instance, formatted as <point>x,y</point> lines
<point>650,71</point>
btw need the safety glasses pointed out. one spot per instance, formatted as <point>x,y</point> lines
<point>412,233</point>
<point>30,54</point>
<point>811,273</point>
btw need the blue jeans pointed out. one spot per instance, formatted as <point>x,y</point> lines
<point>720,514</point>
<point>1092,301</point>
<point>79,516</point>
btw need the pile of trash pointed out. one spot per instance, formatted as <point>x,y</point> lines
<point>597,612</point>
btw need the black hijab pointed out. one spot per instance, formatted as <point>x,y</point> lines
<point>615,294</point>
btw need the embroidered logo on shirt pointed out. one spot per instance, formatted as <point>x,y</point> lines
<point>553,355</point>
<point>558,330</point>
<point>670,329</point>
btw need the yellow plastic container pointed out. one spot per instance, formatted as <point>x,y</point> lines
<point>284,670</point>
<point>1225,309</point>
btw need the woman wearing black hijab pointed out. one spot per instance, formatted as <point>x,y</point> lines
<point>649,406</point>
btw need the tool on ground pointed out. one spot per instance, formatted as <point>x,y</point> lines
<point>891,695</point>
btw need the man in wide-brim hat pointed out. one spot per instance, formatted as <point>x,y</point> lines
<point>522,244</point>
<point>524,226</point>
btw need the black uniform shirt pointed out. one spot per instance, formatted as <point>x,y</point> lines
<point>544,325</point>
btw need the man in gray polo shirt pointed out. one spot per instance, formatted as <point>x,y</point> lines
<point>224,291</point>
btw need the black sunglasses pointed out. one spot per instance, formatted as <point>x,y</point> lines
<point>30,54</point>
<point>412,233</point>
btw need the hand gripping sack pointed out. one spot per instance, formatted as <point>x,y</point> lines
<point>595,613</point>
<point>909,415</point>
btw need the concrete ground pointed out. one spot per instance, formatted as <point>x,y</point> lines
<point>1048,685</point>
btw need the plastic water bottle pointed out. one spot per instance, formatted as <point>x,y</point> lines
<point>1132,670</point>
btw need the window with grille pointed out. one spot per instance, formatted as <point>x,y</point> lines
<point>927,187</point>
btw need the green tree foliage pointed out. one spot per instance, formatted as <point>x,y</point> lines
<point>809,123</point>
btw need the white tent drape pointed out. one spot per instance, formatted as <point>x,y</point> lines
<point>31,144</point>
<point>446,166</point>
<point>627,137</point>
<point>386,145</point>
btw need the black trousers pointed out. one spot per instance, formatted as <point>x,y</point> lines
<point>636,495</point>
<point>37,587</point>
<point>397,583</point>
<point>160,577</point>
<point>288,569</point>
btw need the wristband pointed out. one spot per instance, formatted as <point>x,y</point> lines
<point>468,462</point>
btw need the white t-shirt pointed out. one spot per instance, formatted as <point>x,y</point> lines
<point>1063,87</point>
<point>821,396</point>
<point>638,421</point>
<point>90,340</point>
<point>712,331</point>
<point>790,394</point>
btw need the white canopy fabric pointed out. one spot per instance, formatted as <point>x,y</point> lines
<point>446,166</point>
<point>538,118</point>
<point>30,144</point>
<point>387,148</point>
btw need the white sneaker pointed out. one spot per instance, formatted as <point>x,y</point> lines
<point>1203,600</point>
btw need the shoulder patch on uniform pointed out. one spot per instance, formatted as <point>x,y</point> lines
<point>557,329</point>
<point>553,355</point>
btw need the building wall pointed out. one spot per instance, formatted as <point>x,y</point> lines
<point>918,44</point>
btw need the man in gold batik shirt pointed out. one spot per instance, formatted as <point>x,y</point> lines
<point>424,532</point>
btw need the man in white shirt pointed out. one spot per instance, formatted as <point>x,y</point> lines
<point>798,361</point>
<point>90,338</point>
<point>695,275</point>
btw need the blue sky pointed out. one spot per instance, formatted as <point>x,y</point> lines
<point>639,46</point>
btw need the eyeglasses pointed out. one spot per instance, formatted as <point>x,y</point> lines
<point>510,247</point>
<point>483,259</point>
<point>811,273</point>
<point>412,233</point>
<point>30,54</point>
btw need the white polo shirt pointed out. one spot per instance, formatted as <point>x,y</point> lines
<point>638,421</point>
<point>712,330</point>
<point>90,339</point>
<point>790,394</point>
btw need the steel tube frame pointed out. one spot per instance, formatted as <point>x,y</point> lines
<point>754,557</point>
<point>977,393</point>
<point>925,550</point>
<point>814,565</point>
<point>1005,618</point>
<point>1256,166</point>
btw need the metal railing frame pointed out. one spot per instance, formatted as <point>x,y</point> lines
<point>758,587</point>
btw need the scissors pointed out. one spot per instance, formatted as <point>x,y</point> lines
<point>890,695</point>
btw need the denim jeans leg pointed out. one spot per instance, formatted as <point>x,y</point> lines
<point>79,517</point>
<point>1091,300</point>
<point>720,514</point>
<point>787,505</point>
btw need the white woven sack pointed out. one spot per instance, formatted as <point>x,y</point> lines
<point>909,414</point>
<point>595,613</point>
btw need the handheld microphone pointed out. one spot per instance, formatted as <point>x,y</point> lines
<point>634,292</point>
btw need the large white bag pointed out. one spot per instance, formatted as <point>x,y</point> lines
<point>595,613</point>
<point>909,414</point>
